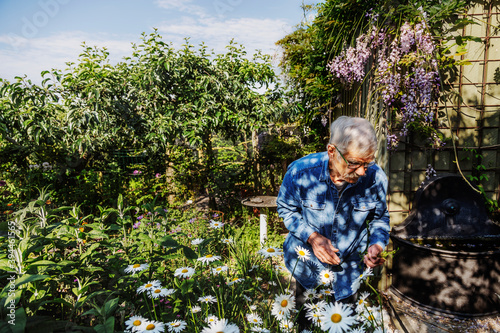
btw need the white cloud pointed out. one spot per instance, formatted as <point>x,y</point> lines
<point>184,6</point>
<point>253,33</point>
<point>32,56</point>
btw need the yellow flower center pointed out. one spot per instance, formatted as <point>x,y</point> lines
<point>336,318</point>
<point>255,320</point>
<point>327,275</point>
<point>302,253</point>
<point>360,302</point>
<point>148,285</point>
<point>150,327</point>
<point>284,303</point>
<point>235,279</point>
<point>220,332</point>
<point>157,291</point>
<point>185,270</point>
<point>271,250</point>
<point>176,324</point>
<point>218,269</point>
<point>136,266</point>
<point>209,256</point>
<point>137,322</point>
<point>371,318</point>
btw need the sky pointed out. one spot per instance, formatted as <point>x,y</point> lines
<point>38,35</point>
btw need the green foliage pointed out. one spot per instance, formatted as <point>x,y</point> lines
<point>168,104</point>
<point>68,268</point>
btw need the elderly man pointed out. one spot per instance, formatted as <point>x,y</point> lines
<point>334,205</point>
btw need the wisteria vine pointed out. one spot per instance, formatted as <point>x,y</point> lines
<point>405,74</point>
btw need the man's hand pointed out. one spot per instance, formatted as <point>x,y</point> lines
<point>372,258</point>
<point>323,249</point>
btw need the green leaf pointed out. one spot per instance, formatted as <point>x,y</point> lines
<point>20,321</point>
<point>189,253</point>
<point>168,241</point>
<point>90,250</point>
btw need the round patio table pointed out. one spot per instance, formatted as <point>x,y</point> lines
<point>261,201</point>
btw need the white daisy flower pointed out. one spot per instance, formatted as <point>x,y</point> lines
<point>253,267</point>
<point>211,319</point>
<point>221,326</point>
<point>357,282</point>
<point>314,316</point>
<point>153,327</point>
<point>228,241</point>
<point>216,224</point>
<point>337,318</point>
<point>176,326</point>
<point>286,325</point>
<point>326,276</point>
<point>253,318</point>
<point>318,306</point>
<point>136,268</point>
<point>270,252</point>
<point>280,315</point>
<point>310,294</point>
<point>195,309</point>
<point>253,307</point>
<point>361,330</point>
<point>307,331</point>
<point>134,322</point>
<point>160,292</point>
<point>283,303</point>
<point>148,286</point>
<point>327,292</point>
<point>260,329</point>
<point>220,269</point>
<point>235,280</point>
<point>361,303</point>
<point>279,268</point>
<point>207,299</point>
<point>184,272</point>
<point>208,258</point>
<point>197,241</point>
<point>372,315</point>
<point>303,253</point>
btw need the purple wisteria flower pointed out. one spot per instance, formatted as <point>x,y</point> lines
<point>405,73</point>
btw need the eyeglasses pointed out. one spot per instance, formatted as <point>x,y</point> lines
<point>355,165</point>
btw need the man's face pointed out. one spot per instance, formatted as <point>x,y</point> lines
<point>351,170</point>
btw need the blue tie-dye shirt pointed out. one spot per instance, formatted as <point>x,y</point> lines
<point>308,202</point>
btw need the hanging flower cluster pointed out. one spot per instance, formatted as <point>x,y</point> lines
<point>405,73</point>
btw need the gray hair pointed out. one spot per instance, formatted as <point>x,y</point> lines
<point>353,134</point>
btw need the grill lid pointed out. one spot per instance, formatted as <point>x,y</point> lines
<point>446,207</point>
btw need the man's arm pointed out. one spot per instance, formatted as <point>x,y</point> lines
<point>290,210</point>
<point>380,226</point>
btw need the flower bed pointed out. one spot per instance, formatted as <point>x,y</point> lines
<point>154,269</point>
